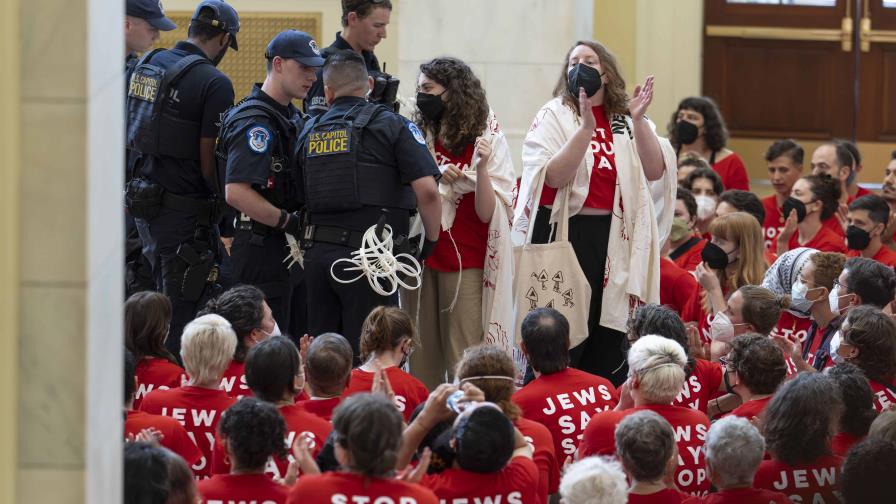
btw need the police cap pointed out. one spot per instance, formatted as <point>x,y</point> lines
<point>297,45</point>
<point>151,11</point>
<point>223,17</point>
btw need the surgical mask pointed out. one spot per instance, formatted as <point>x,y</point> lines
<point>834,300</point>
<point>715,256</point>
<point>274,332</point>
<point>431,106</point>
<point>679,229</point>
<point>835,346</point>
<point>798,301</point>
<point>721,328</point>
<point>792,203</point>
<point>583,76</point>
<point>857,238</point>
<point>706,206</point>
<point>686,132</point>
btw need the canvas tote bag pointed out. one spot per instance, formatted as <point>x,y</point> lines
<point>548,275</point>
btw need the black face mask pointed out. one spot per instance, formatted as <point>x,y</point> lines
<point>714,256</point>
<point>686,132</point>
<point>583,76</point>
<point>431,106</point>
<point>857,238</point>
<point>792,203</point>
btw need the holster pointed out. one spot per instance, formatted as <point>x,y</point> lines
<point>201,271</point>
<point>143,198</point>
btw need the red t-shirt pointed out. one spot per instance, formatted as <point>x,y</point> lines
<point>234,380</point>
<point>690,428</point>
<point>154,373</point>
<point>884,255</point>
<point>733,172</point>
<point>174,436</point>
<point>824,240</point>
<point>883,396</point>
<point>817,482</point>
<point>246,488</point>
<point>409,391</point>
<point>746,496</point>
<point>516,483</point>
<point>198,410</point>
<point>774,222</point>
<point>789,325</point>
<point>603,175</point>
<point>842,442</point>
<point>349,488</point>
<point>320,407</point>
<point>299,423</point>
<point>664,496</point>
<point>701,386</point>
<point>678,290</point>
<point>539,437</point>
<point>859,193</point>
<point>751,409</point>
<point>469,233</point>
<point>690,259</point>
<point>564,402</point>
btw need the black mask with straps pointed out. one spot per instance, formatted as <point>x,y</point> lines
<point>583,76</point>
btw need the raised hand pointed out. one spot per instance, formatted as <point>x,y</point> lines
<point>586,112</point>
<point>641,99</point>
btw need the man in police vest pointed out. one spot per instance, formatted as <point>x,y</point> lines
<point>143,22</point>
<point>363,27</point>
<point>358,160</point>
<point>257,140</point>
<point>175,101</point>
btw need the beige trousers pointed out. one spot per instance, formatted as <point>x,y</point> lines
<point>444,335</point>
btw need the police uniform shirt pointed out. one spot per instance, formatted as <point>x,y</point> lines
<point>315,103</point>
<point>201,96</point>
<point>130,63</point>
<point>254,140</point>
<point>389,140</point>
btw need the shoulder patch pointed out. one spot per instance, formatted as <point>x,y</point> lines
<point>259,138</point>
<point>418,135</point>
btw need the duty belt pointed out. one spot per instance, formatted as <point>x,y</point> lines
<point>203,209</point>
<point>333,235</point>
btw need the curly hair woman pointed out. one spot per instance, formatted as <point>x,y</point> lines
<point>472,260</point>
<point>697,126</point>
<point>592,149</point>
<point>251,431</point>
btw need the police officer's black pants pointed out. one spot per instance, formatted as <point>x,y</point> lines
<point>161,238</point>
<point>258,261</point>
<point>336,307</point>
<point>600,353</point>
<point>138,272</point>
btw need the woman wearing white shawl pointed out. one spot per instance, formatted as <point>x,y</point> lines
<point>622,193</point>
<point>467,281</point>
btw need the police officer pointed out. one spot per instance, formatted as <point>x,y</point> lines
<point>143,21</point>
<point>363,27</point>
<point>357,160</point>
<point>175,100</point>
<point>257,140</point>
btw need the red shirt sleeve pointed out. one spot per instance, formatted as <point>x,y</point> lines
<point>733,172</point>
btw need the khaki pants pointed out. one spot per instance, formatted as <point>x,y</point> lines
<point>444,335</point>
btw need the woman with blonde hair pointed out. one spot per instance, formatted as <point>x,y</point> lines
<point>469,275</point>
<point>593,146</point>
<point>733,258</point>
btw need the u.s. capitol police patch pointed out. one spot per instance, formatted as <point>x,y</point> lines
<point>259,139</point>
<point>418,135</point>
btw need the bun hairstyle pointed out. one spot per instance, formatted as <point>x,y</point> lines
<point>384,329</point>
<point>371,451</point>
<point>762,308</point>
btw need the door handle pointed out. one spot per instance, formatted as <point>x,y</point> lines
<point>846,29</point>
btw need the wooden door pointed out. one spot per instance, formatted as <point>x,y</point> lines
<point>877,72</point>
<point>783,68</point>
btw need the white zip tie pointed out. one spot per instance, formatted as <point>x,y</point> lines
<point>375,261</point>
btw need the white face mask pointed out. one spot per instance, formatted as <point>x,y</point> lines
<point>274,332</point>
<point>721,328</point>
<point>706,206</point>
<point>834,299</point>
<point>798,301</point>
<point>835,346</point>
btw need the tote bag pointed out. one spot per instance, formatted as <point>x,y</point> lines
<point>549,276</point>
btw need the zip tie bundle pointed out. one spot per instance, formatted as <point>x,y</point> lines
<point>375,261</point>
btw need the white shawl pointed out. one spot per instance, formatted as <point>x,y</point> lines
<point>637,230</point>
<point>497,274</point>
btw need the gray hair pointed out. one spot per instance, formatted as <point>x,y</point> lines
<point>733,449</point>
<point>644,444</point>
<point>207,347</point>
<point>594,480</point>
<point>659,364</point>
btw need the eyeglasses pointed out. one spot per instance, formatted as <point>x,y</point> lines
<point>727,364</point>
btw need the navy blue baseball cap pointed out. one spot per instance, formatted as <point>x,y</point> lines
<point>151,11</point>
<point>297,45</point>
<point>224,17</point>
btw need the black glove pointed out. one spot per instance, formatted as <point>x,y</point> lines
<point>293,224</point>
<point>426,249</point>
